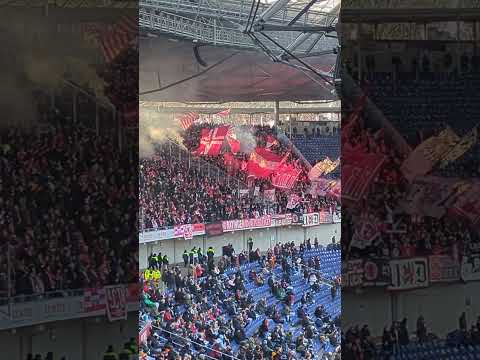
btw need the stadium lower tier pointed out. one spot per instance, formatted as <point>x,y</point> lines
<point>294,313</point>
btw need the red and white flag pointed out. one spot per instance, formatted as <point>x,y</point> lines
<point>119,37</point>
<point>224,113</point>
<point>211,141</point>
<point>188,120</point>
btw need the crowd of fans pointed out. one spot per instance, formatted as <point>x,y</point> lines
<point>55,236</point>
<point>67,197</point>
<point>166,181</point>
<point>413,235</point>
<point>245,306</point>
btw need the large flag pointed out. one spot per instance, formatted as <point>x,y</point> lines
<point>211,141</point>
<point>358,171</point>
<point>424,157</point>
<point>286,176</point>
<point>119,37</point>
<point>263,163</point>
<point>188,120</point>
<point>465,144</point>
<point>323,167</point>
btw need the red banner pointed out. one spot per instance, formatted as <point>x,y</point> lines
<point>358,171</point>
<point>233,225</point>
<point>116,296</point>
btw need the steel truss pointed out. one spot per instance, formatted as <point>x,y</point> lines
<point>288,31</point>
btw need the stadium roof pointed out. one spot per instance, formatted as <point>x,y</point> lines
<point>234,51</point>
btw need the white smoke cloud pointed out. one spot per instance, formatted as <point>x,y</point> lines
<point>156,128</point>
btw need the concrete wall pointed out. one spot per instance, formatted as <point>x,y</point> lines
<point>84,339</point>
<point>263,239</point>
<point>441,305</point>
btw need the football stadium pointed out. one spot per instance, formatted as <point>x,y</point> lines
<point>410,235</point>
<point>67,189</point>
<point>239,180</point>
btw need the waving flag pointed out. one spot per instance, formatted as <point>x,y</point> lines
<point>263,163</point>
<point>465,144</point>
<point>119,37</point>
<point>224,113</point>
<point>424,157</point>
<point>286,176</point>
<point>358,171</point>
<point>211,141</point>
<point>188,120</point>
<point>323,167</point>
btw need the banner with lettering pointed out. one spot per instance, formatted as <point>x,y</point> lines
<point>245,224</point>
<point>470,270</point>
<point>352,273</point>
<point>409,274</point>
<point>443,268</point>
<point>311,219</point>
<point>116,296</point>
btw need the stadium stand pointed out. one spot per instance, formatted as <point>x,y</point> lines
<point>282,304</point>
<point>381,229</point>
<point>170,202</point>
